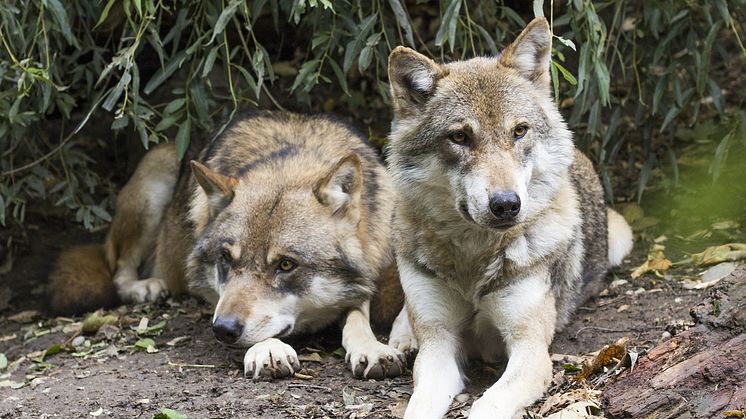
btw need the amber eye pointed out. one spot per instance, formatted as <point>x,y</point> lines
<point>459,137</point>
<point>286,265</point>
<point>520,131</point>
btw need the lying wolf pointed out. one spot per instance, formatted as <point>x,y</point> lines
<point>284,225</point>
<point>501,226</point>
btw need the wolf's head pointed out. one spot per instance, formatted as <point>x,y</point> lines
<point>484,132</point>
<point>281,249</point>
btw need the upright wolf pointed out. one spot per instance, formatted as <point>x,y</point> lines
<point>284,225</point>
<point>501,224</point>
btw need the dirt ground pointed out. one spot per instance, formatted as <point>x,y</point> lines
<point>107,375</point>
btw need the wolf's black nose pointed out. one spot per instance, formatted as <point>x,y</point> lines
<point>227,329</point>
<point>505,205</point>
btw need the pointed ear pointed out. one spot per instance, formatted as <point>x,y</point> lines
<point>413,79</point>
<point>340,189</point>
<point>531,52</point>
<point>219,189</point>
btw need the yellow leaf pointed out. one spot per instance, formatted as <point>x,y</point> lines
<point>717,254</point>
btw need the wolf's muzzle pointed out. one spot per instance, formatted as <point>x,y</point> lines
<point>505,206</point>
<point>227,329</point>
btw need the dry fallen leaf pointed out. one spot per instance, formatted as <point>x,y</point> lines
<point>312,357</point>
<point>607,355</point>
<point>716,254</point>
<point>26,316</point>
<point>579,410</point>
<point>397,410</point>
<point>656,262</point>
<point>561,400</point>
<point>710,277</point>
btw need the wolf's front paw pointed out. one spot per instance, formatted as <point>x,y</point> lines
<point>148,290</point>
<point>271,358</point>
<point>405,343</point>
<point>375,360</point>
<point>483,409</point>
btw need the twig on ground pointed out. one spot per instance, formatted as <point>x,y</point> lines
<point>173,364</point>
<point>294,385</point>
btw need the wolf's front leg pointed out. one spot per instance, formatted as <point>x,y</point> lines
<point>366,356</point>
<point>525,314</point>
<point>437,313</point>
<point>271,358</point>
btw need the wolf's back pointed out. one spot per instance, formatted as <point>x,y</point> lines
<point>81,281</point>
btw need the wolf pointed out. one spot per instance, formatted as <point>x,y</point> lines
<point>501,225</point>
<point>283,222</point>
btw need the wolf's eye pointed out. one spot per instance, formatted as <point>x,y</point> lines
<point>459,137</point>
<point>520,131</point>
<point>286,265</point>
<point>226,256</point>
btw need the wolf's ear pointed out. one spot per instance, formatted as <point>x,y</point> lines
<point>531,52</point>
<point>340,189</point>
<point>219,189</point>
<point>413,79</point>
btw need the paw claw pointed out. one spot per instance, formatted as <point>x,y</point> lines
<point>277,359</point>
<point>388,361</point>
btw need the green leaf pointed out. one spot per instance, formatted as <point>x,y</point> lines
<point>167,122</point>
<point>353,47</point>
<point>146,344</point>
<point>117,91</point>
<point>340,352</point>
<point>3,358</point>
<point>104,14</point>
<point>166,413</point>
<point>101,213</point>
<point>704,68</point>
<point>210,60</point>
<point>555,81</point>
<point>199,101</point>
<point>447,29</point>
<point>120,123</point>
<point>565,74</point>
<point>488,38</point>
<point>60,15</point>
<point>402,19</point>
<point>52,350</point>
<point>174,106</point>
<point>2,210</point>
<point>538,8</point>
<point>366,55</point>
<point>566,42</point>
<point>138,7</point>
<point>571,367</point>
<point>602,74</point>
<point>182,138</point>
<point>165,72</point>
<point>156,329</point>
<point>224,18</point>
<point>340,76</point>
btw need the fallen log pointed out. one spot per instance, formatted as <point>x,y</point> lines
<point>698,373</point>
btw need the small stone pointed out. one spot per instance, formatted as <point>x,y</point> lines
<point>462,398</point>
<point>665,335</point>
<point>677,300</point>
<point>78,341</point>
<point>618,283</point>
<point>623,307</point>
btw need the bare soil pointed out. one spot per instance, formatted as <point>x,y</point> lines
<point>195,375</point>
